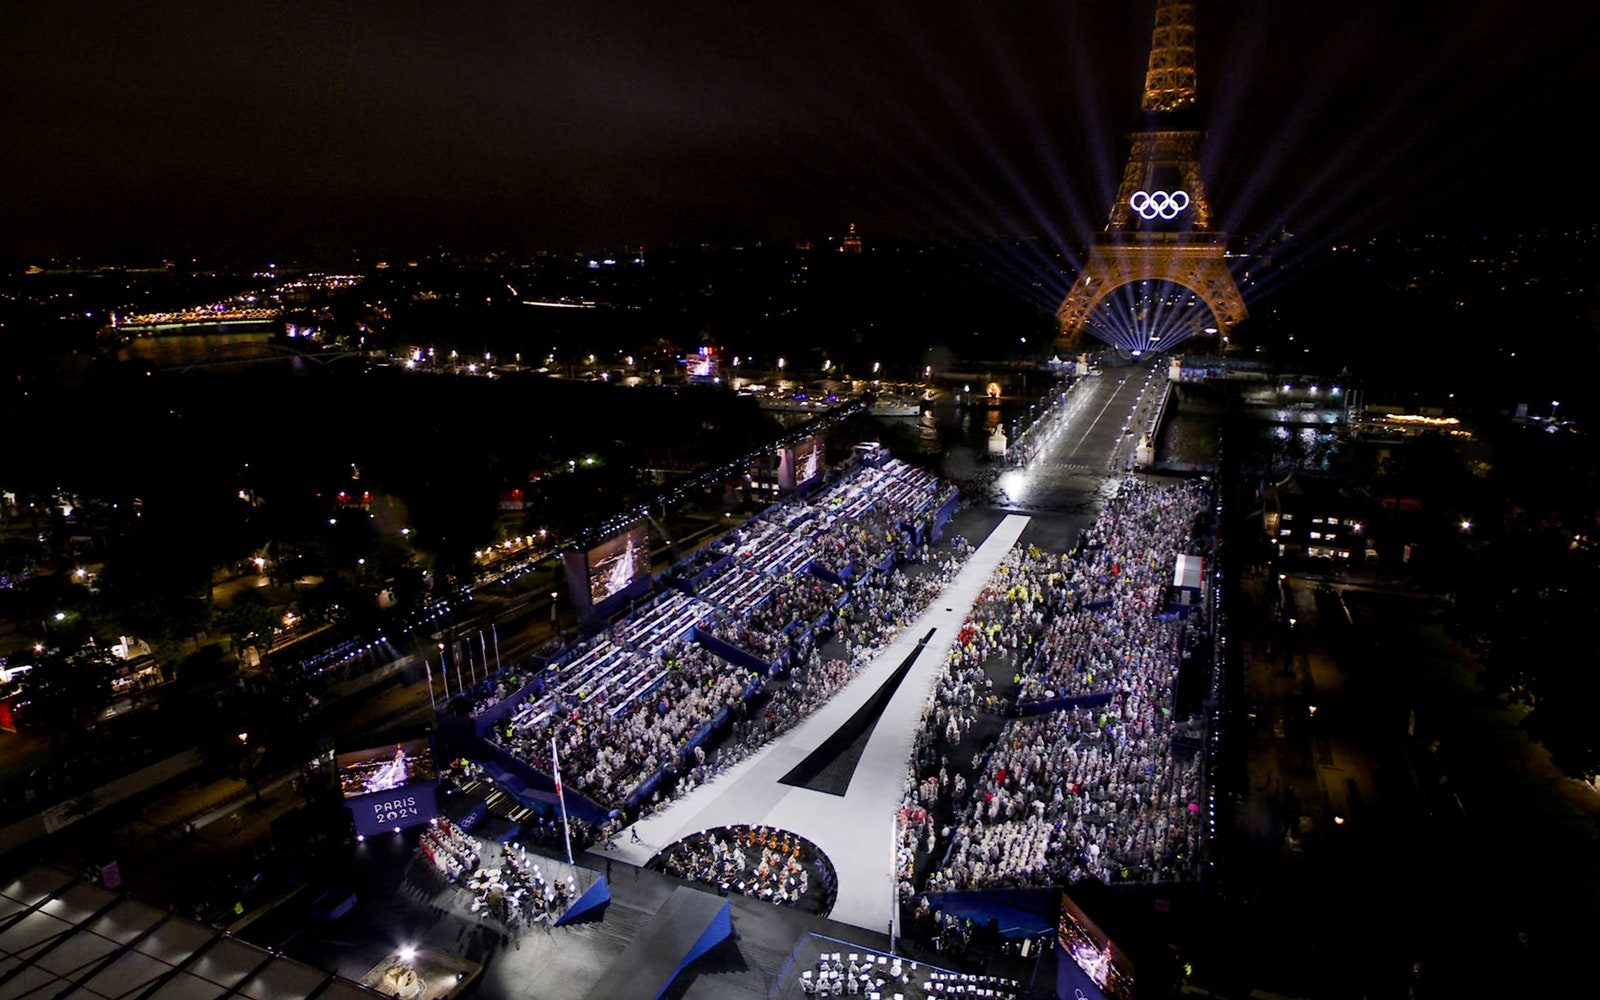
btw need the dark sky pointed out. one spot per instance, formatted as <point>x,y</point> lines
<point>176,126</point>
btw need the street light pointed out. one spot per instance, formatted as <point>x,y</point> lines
<point>1554,405</point>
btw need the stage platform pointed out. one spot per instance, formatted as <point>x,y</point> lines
<point>687,926</point>
<point>856,830</point>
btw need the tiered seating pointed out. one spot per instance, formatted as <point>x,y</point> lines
<point>667,621</point>
<point>764,602</point>
<point>739,590</point>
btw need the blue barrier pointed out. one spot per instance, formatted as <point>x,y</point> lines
<point>497,712</point>
<point>528,785</point>
<point>646,787</point>
<point>826,575</point>
<point>597,895</point>
<point>1046,706</point>
<point>710,571</point>
<point>698,737</point>
<point>728,651</point>
<point>1017,912</point>
<point>472,817</point>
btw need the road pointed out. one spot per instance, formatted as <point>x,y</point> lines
<point>1095,440</point>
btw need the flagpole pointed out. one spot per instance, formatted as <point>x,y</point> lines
<point>566,831</point>
<point>429,664</point>
<point>496,633</point>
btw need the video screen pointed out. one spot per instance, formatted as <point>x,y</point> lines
<point>385,768</point>
<point>1090,950</point>
<point>807,461</point>
<point>616,563</point>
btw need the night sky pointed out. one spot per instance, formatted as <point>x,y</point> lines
<point>170,127</point>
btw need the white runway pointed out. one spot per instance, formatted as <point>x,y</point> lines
<point>855,831</point>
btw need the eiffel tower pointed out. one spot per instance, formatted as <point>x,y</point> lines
<point>1161,223</point>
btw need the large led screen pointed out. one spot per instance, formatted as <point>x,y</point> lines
<point>390,786</point>
<point>615,563</point>
<point>385,768</point>
<point>807,461</point>
<point>1091,958</point>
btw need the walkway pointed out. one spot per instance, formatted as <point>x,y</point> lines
<point>855,830</point>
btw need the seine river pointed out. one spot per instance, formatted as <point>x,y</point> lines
<point>225,345</point>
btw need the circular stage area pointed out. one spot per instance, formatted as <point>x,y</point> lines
<point>759,861</point>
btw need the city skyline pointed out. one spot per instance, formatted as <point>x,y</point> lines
<point>187,126</point>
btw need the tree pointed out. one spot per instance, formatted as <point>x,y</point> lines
<point>68,695</point>
<point>248,618</point>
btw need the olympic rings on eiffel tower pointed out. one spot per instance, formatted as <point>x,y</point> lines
<point>1158,204</point>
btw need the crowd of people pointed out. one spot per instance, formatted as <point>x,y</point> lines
<point>606,753</point>
<point>805,690</point>
<point>884,603</point>
<point>486,694</point>
<point>1091,786</point>
<point>625,710</point>
<point>758,861</point>
<point>798,603</point>
<point>1112,621</point>
<point>515,891</point>
<point>449,849</point>
<point>874,976</point>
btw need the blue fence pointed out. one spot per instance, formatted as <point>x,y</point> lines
<point>1046,706</point>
